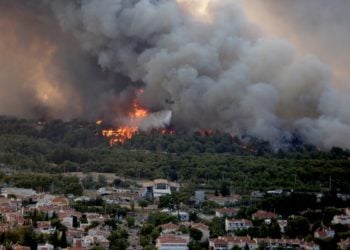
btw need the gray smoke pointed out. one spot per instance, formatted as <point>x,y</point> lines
<point>212,68</point>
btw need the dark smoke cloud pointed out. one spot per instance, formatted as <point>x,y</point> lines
<point>45,72</point>
<point>210,65</point>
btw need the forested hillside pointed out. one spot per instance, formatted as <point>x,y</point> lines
<point>199,158</point>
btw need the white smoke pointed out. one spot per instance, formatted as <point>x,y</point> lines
<point>156,120</point>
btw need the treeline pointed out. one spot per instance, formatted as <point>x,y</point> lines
<point>202,159</point>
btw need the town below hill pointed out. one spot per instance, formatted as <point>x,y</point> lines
<point>63,186</point>
<point>162,214</point>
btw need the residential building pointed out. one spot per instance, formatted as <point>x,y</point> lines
<point>172,242</point>
<point>182,216</point>
<point>347,211</point>
<point>44,227</point>
<point>159,187</point>
<point>344,244</point>
<point>18,192</point>
<point>199,196</point>
<point>282,224</point>
<point>226,212</point>
<point>263,215</point>
<point>237,224</point>
<point>341,219</point>
<point>324,233</point>
<point>20,247</point>
<point>45,246</point>
<point>228,242</point>
<point>169,228</point>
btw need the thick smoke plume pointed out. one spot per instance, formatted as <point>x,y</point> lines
<point>202,59</point>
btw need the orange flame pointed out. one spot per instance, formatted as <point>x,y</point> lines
<point>126,132</point>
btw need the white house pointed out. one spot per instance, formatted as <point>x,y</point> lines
<point>341,219</point>
<point>237,224</point>
<point>226,212</point>
<point>159,187</point>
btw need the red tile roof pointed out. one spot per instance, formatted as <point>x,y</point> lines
<point>170,239</point>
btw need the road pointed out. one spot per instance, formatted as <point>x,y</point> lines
<point>134,240</point>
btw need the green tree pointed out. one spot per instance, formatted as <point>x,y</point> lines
<point>194,245</point>
<point>225,188</point>
<point>196,234</point>
<point>143,204</point>
<point>217,227</point>
<point>149,247</point>
<point>63,240</point>
<point>75,221</point>
<point>297,227</point>
<point>130,220</point>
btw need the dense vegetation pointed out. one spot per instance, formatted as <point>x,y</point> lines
<point>202,159</point>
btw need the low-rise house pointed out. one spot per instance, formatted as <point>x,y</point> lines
<point>172,242</point>
<point>226,212</point>
<point>287,243</point>
<point>14,218</point>
<point>100,231</point>
<point>20,247</point>
<point>282,224</point>
<point>341,219</point>
<point>4,227</point>
<point>347,211</point>
<point>74,234</point>
<point>82,198</point>
<point>228,242</point>
<point>102,241</point>
<point>324,233</point>
<point>159,187</point>
<point>45,200</point>
<point>67,221</point>
<point>77,243</point>
<point>263,215</point>
<point>49,209</point>
<point>218,244</point>
<point>344,244</point>
<point>169,228</point>
<point>310,246</point>
<point>46,246</point>
<point>275,192</point>
<point>24,193</point>
<point>182,216</point>
<point>237,224</point>
<point>257,194</point>
<point>44,227</point>
<point>60,202</point>
<point>87,241</point>
<point>95,217</point>
<point>105,190</point>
